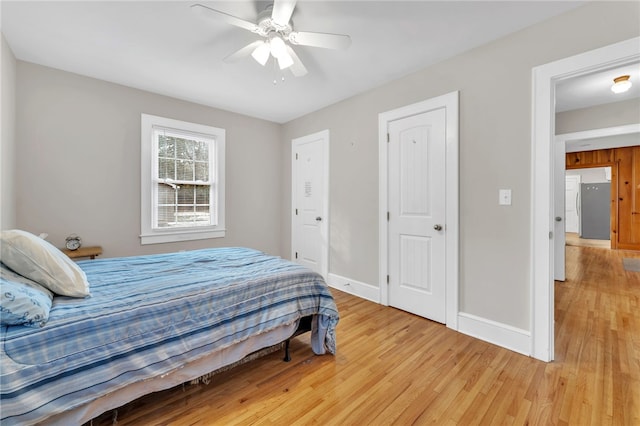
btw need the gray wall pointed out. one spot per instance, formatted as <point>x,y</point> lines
<point>598,117</point>
<point>495,152</point>
<point>8,137</point>
<point>78,163</point>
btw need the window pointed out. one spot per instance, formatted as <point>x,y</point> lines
<point>182,180</point>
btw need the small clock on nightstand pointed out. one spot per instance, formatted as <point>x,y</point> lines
<point>73,242</point>
<point>73,248</point>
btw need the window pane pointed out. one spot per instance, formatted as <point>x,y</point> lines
<point>166,216</point>
<point>166,194</point>
<point>202,215</point>
<point>202,151</point>
<point>202,194</point>
<point>166,147</point>
<point>184,170</point>
<point>185,149</point>
<point>202,171</point>
<point>166,168</point>
<point>186,194</point>
<point>186,214</point>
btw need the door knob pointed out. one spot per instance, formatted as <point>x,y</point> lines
<point>558,219</point>
<point>437,227</point>
<point>318,219</point>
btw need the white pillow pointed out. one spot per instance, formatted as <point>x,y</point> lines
<point>36,259</point>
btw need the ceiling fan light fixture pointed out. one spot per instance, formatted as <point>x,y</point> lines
<point>261,53</point>
<point>278,47</point>
<point>621,84</point>
<point>285,61</point>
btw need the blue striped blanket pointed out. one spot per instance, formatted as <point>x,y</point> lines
<point>147,316</point>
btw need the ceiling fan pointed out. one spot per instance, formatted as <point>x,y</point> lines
<point>275,28</point>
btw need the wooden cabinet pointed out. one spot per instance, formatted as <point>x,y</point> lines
<point>628,197</point>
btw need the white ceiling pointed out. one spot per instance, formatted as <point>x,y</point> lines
<point>595,88</point>
<point>163,47</point>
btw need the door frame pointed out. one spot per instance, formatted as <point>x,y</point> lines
<point>450,102</point>
<point>544,78</point>
<point>324,224</point>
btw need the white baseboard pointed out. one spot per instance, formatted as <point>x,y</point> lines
<point>357,288</point>
<point>509,337</point>
<point>506,336</point>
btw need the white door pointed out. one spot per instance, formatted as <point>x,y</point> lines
<point>572,187</point>
<point>559,237</point>
<point>416,200</point>
<point>310,194</point>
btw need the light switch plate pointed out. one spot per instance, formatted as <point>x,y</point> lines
<point>504,197</point>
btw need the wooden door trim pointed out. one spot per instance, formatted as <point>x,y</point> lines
<point>450,102</point>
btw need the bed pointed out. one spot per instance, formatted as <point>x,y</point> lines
<point>151,323</point>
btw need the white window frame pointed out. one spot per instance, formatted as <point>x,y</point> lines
<point>148,163</point>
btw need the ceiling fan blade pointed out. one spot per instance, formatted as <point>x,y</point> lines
<point>244,52</point>
<point>297,69</point>
<point>282,11</point>
<point>230,19</point>
<point>327,41</point>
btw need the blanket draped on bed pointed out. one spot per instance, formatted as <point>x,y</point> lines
<point>149,315</point>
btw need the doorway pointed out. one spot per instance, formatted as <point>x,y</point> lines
<point>542,222</point>
<point>588,219</point>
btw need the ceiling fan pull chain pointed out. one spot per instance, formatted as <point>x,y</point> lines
<point>276,69</point>
<point>275,73</point>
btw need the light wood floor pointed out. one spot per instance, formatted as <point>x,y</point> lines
<point>573,239</point>
<point>395,368</point>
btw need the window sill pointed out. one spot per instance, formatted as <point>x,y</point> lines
<point>172,237</point>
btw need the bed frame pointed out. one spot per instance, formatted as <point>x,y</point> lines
<point>304,326</point>
<point>197,372</point>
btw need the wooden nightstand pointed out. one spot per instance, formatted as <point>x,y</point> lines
<point>90,252</point>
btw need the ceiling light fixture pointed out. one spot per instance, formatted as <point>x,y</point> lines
<point>621,84</point>
<point>285,61</point>
<point>276,47</point>
<point>261,53</point>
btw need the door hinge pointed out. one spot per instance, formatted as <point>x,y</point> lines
<point>296,155</point>
<point>551,235</point>
<point>388,216</point>
<point>296,255</point>
<point>387,279</point>
<point>296,212</point>
<point>388,138</point>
